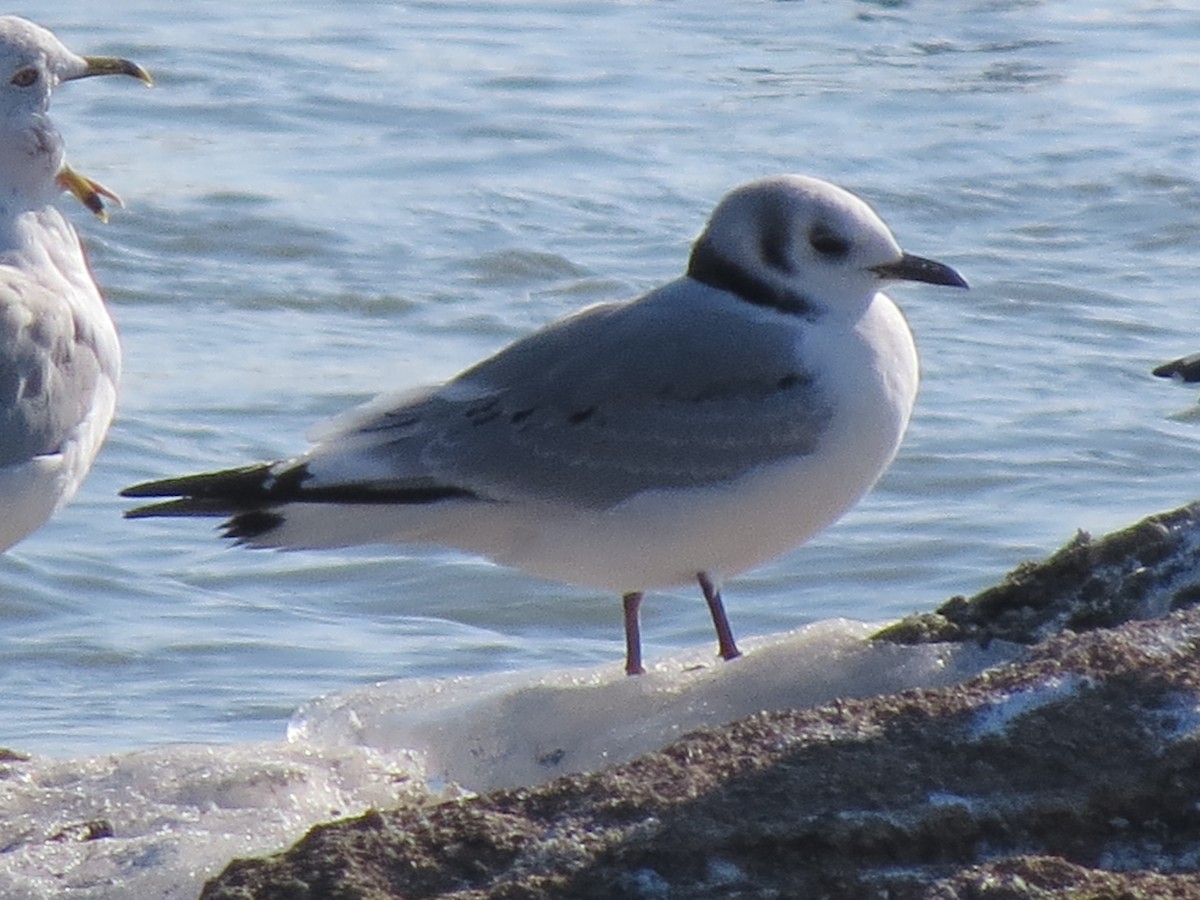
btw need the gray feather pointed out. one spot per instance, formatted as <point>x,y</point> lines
<point>613,401</point>
<point>48,371</point>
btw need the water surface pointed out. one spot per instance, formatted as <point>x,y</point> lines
<point>328,201</point>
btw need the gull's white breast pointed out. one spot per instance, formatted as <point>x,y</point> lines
<point>868,374</point>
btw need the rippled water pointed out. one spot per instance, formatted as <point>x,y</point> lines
<point>326,201</point>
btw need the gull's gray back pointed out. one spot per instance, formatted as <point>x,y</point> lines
<point>615,400</point>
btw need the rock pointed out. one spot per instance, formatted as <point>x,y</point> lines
<point>1074,772</point>
<point>1140,572</point>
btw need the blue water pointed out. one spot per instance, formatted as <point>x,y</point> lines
<point>327,201</point>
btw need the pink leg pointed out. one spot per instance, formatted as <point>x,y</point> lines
<point>633,633</point>
<point>725,645</point>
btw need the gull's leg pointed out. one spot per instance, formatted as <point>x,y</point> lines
<point>633,633</point>
<point>725,645</point>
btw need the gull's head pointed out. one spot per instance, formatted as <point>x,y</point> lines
<point>33,62</point>
<point>804,246</point>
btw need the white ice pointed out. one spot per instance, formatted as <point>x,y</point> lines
<point>163,820</point>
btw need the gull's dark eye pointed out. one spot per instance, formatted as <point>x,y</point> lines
<point>25,77</point>
<point>828,242</point>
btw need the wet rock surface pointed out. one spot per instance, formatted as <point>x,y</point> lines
<point>1073,772</point>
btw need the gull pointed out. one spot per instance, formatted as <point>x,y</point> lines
<point>685,436</point>
<point>59,356</point>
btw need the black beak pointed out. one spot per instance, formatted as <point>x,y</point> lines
<point>917,268</point>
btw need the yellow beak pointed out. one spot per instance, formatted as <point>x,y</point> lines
<point>112,65</point>
<point>90,193</point>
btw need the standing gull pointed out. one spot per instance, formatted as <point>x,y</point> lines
<point>59,356</point>
<point>688,435</point>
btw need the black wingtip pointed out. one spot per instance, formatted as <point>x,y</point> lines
<point>151,510</point>
<point>251,496</point>
<point>225,483</point>
<point>184,507</point>
<point>240,526</point>
<point>246,526</point>
<point>228,492</point>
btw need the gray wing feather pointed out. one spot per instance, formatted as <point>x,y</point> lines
<point>615,400</point>
<point>48,370</point>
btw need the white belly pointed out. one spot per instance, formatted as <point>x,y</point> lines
<point>663,538</point>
